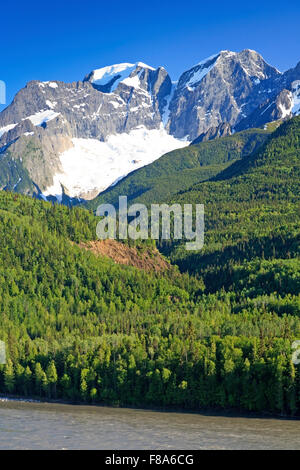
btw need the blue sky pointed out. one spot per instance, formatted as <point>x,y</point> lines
<point>64,40</point>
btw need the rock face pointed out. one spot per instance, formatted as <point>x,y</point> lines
<point>284,105</point>
<point>223,88</point>
<point>54,117</point>
<point>223,130</point>
<point>72,140</point>
<point>87,112</point>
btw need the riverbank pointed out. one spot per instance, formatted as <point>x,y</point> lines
<point>226,413</point>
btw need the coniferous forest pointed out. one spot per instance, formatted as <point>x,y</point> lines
<point>215,330</point>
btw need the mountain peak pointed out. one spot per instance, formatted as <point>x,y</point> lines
<point>111,75</point>
<point>247,56</point>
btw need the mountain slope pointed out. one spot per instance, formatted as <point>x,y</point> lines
<point>178,170</point>
<point>82,131</point>
<point>223,88</point>
<point>222,130</point>
<point>252,211</point>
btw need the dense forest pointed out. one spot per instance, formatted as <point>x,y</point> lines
<point>213,331</point>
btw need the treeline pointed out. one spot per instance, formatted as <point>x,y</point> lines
<point>252,374</point>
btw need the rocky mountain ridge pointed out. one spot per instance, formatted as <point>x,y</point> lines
<point>76,139</point>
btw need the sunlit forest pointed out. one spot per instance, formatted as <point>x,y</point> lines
<point>215,330</point>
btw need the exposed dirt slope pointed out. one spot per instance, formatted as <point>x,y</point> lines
<point>148,259</point>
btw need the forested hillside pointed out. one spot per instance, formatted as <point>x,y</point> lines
<point>251,208</point>
<point>215,333</point>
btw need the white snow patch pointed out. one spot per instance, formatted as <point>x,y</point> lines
<point>7,128</point>
<point>144,66</point>
<point>228,53</point>
<point>132,81</point>
<point>39,118</point>
<point>78,106</point>
<point>20,179</point>
<point>50,84</point>
<point>28,133</point>
<point>134,109</point>
<point>296,97</point>
<point>286,111</point>
<point>166,111</point>
<point>92,165</point>
<point>203,70</point>
<point>51,104</point>
<point>204,61</point>
<point>105,74</point>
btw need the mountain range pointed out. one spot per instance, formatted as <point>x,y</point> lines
<point>72,141</point>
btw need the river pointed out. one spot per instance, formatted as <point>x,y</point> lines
<point>30,425</point>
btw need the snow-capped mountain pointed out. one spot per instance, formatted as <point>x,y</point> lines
<point>223,88</point>
<point>76,139</point>
<point>87,135</point>
<point>280,106</point>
